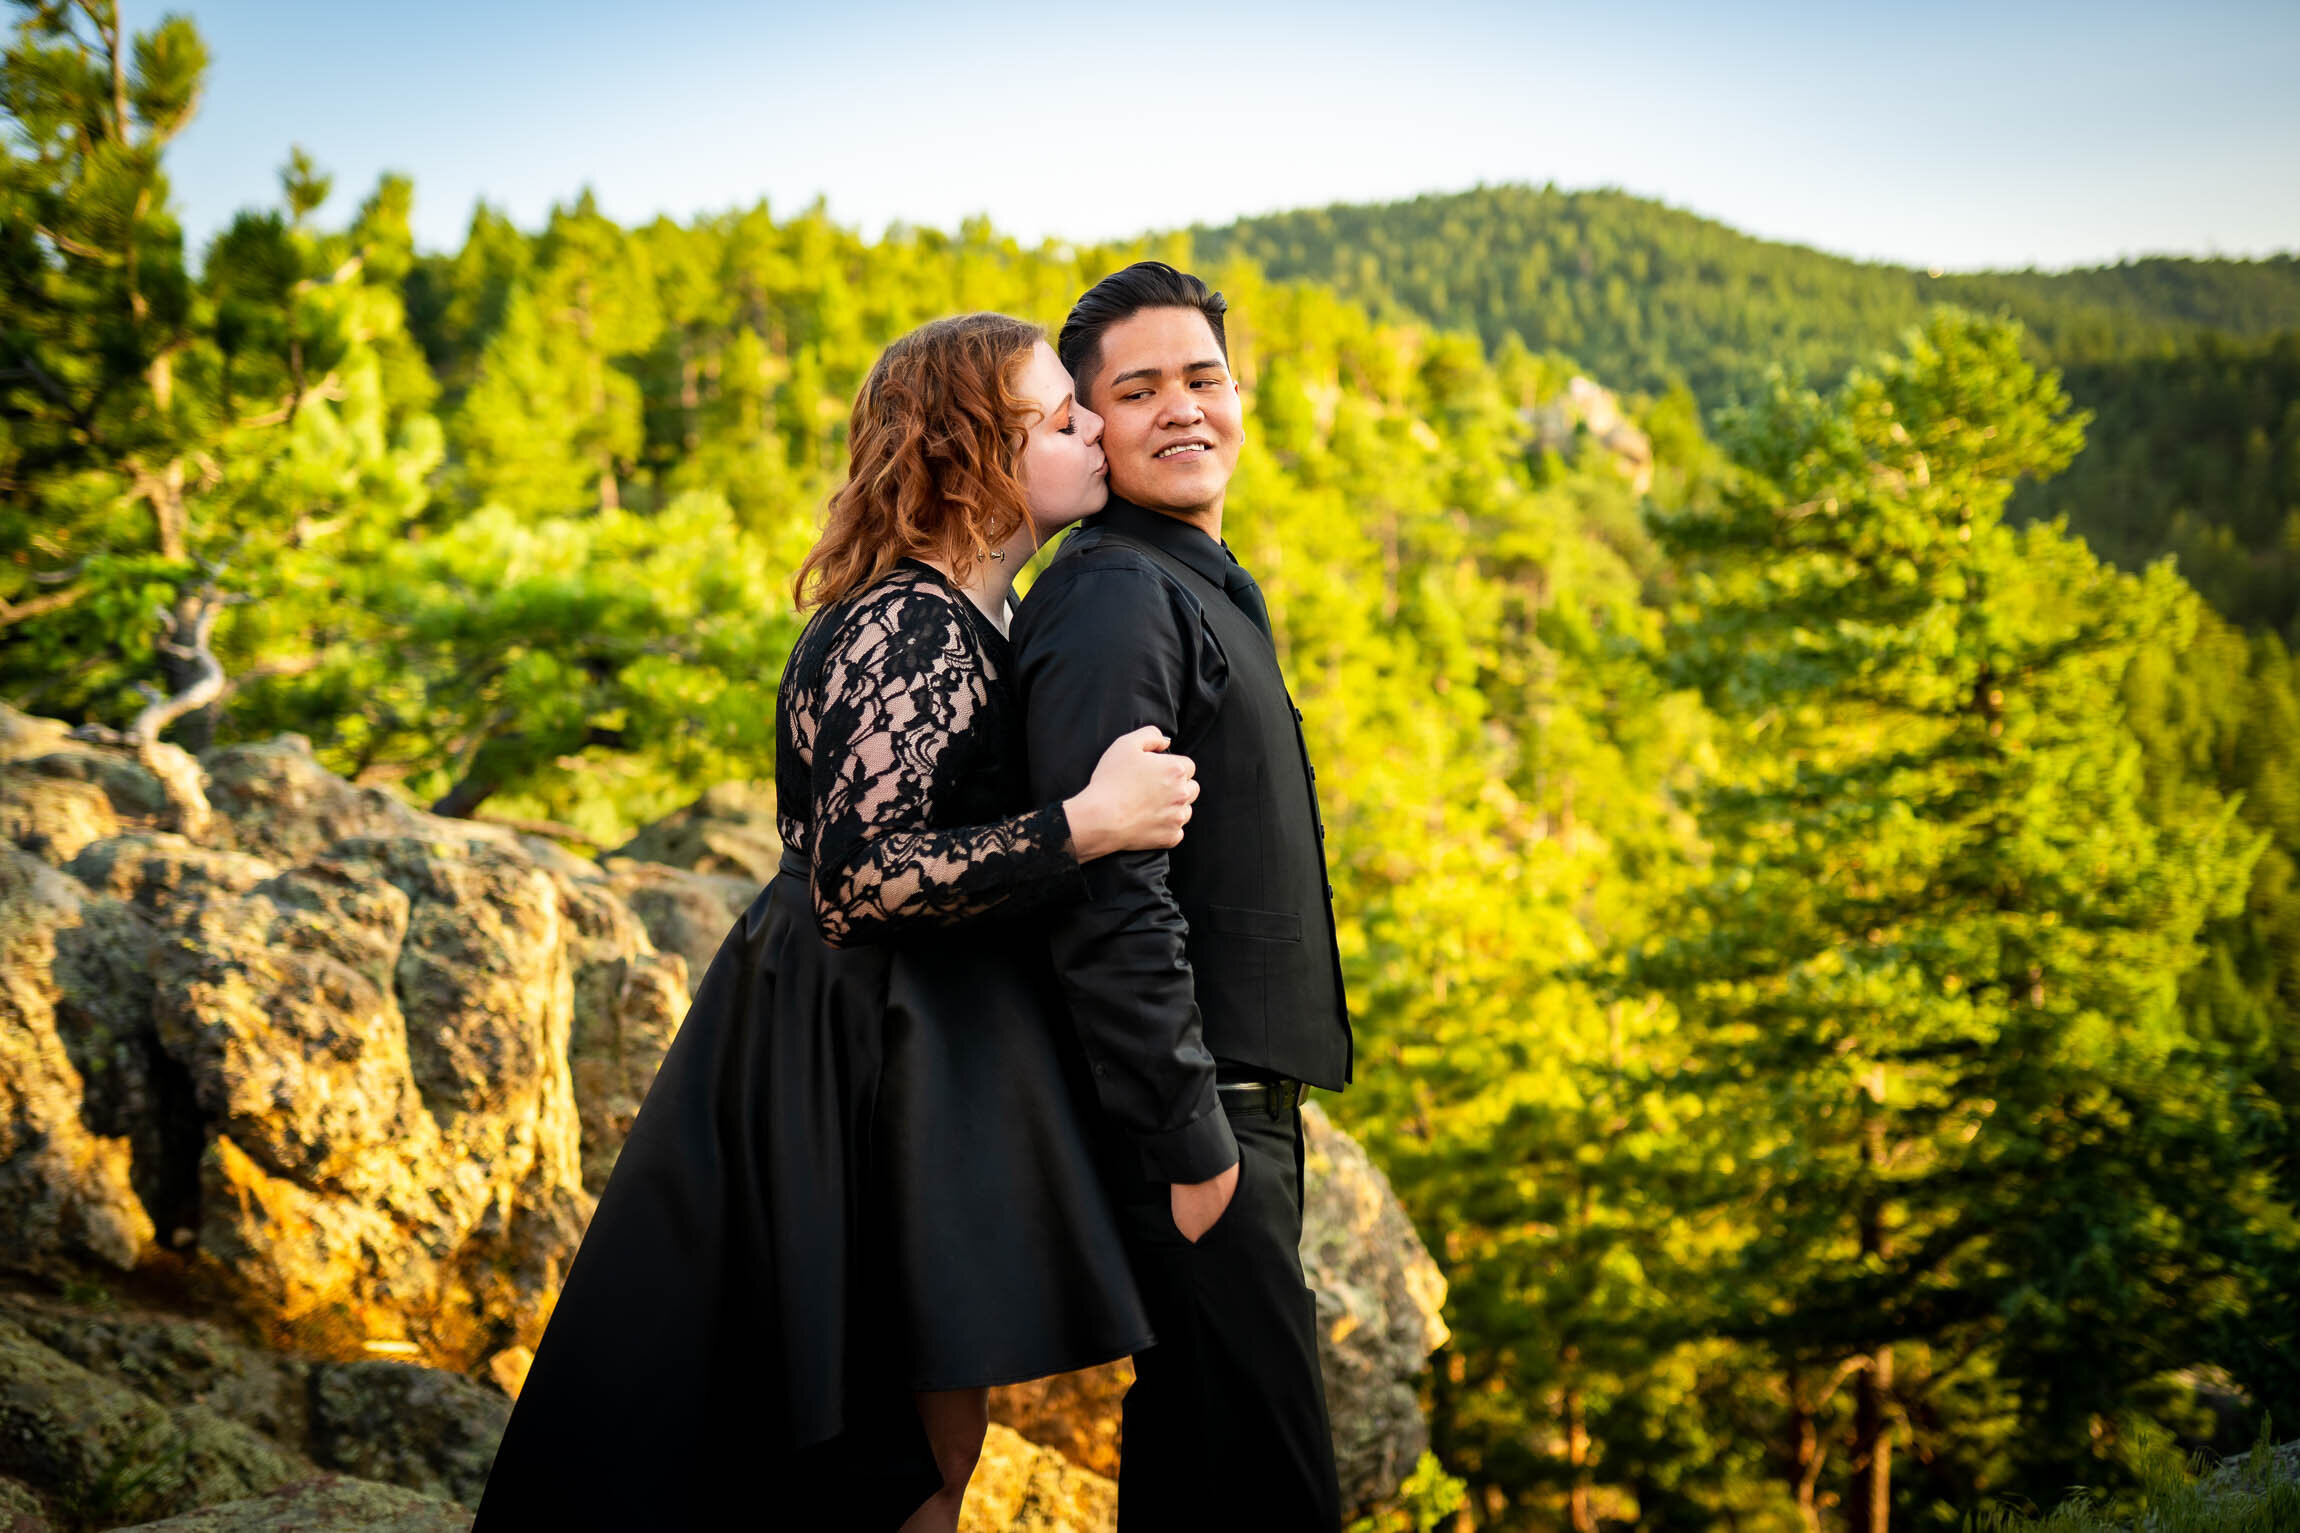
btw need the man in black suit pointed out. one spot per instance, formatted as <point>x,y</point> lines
<point>1204,980</point>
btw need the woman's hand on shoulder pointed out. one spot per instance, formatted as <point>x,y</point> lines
<point>1139,799</point>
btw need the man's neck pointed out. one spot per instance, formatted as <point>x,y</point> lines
<point>1207,518</point>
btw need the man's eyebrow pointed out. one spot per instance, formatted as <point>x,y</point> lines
<point>1154,372</point>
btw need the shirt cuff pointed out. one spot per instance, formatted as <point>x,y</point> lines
<point>1198,1151</point>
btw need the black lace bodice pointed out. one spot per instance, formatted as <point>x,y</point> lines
<point>899,772</point>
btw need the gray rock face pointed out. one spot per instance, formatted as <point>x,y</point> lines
<point>108,1454</point>
<point>729,831</point>
<point>20,1509</point>
<point>420,1428</point>
<point>66,1188</point>
<point>286,808</point>
<point>92,1400</point>
<point>328,1049</point>
<point>685,913</point>
<point>1379,1299</point>
<point>327,1504</point>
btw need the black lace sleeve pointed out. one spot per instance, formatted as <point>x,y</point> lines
<point>900,685</point>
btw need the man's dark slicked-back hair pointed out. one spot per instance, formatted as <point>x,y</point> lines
<point>1124,294</point>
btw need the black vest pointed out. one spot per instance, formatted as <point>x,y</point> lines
<point>1250,875</point>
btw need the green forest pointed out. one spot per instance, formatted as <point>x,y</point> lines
<point>2187,366</point>
<point>1823,930</point>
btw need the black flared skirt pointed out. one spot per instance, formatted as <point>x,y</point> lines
<point>857,1174</point>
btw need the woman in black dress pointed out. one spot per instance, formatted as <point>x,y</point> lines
<point>864,1185</point>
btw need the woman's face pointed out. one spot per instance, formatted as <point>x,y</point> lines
<point>1062,466</point>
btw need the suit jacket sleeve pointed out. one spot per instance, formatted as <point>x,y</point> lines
<point>1107,645</point>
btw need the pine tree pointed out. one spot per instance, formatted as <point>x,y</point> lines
<point>1930,983</point>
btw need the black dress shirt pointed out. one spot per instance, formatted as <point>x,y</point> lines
<point>1222,948</point>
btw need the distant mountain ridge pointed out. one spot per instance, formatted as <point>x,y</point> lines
<point>1647,295</point>
<point>2190,365</point>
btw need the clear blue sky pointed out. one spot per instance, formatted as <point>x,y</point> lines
<point>1952,134</point>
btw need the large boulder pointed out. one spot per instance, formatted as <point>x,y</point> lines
<point>52,816</point>
<point>684,912</point>
<point>360,1067</point>
<point>66,1188</point>
<point>325,1504</point>
<point>108,1454</point>
<point>1077,1414</point>
<point>1379,1301</point>
<point>281,804</point>
<point>1021,1487</point>
<point>730,831</point>
<point>88,1395</point>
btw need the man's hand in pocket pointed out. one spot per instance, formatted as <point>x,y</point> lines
<point>1197,1205</point>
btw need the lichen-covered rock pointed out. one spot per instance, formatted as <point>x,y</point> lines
<point>52,817</point>
<point>64,1191</point>
<point>282,805</point>
<point>1379,1302</point>
<point>25,735</point>
<point>163,873</point>
<point>1077,1414</point>
<point>629,1000</point>
<point>20,1508</point>
<point>1020,1487</point>
<point>328,1048</point>
<point>127,784</point>
<point>685,913</point>
<point>174,1361</point>
<point>380,1041</point>
<point>730,830</point>
<point>324,1504</point>
<point>100,1447</point>
<point>421,1428</point>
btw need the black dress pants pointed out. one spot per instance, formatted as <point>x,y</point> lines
<point>1225,1425</point>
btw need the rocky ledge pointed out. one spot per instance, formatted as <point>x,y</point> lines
<point>348,1076</point>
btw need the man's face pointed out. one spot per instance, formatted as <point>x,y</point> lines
<point>1172,419</point>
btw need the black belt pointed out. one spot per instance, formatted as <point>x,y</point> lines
<point>1270,1097</point>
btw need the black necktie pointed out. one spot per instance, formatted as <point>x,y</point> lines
<point>1247,596</point>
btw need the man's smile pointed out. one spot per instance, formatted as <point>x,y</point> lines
<point>1188,447</point>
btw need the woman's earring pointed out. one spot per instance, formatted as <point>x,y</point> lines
<point>998,554</point>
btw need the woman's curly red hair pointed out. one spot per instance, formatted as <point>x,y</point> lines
<point>934,457</point>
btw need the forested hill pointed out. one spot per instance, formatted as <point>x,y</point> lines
<point>1647,295</point>
<point>2191,368</point>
